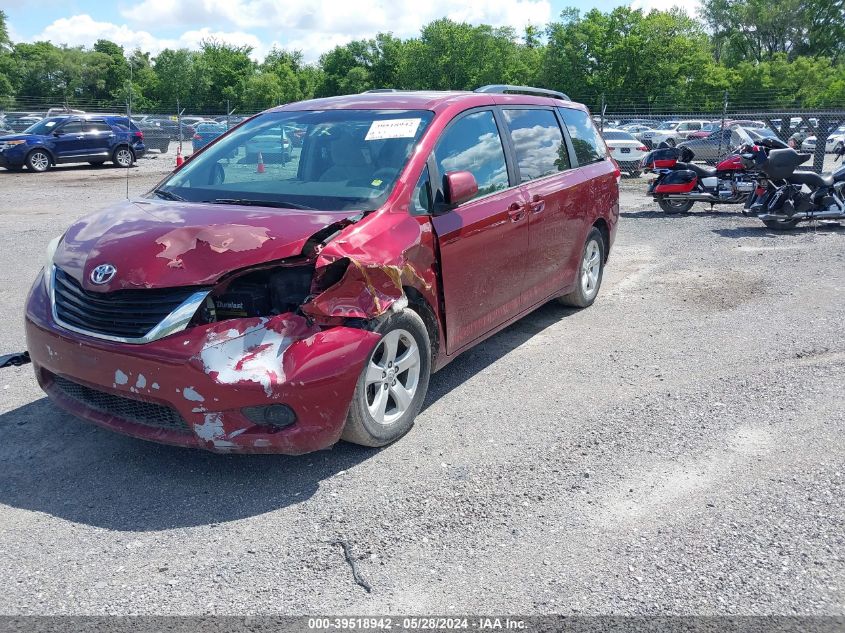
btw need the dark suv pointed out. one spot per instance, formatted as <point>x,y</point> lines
<point>73,139</point>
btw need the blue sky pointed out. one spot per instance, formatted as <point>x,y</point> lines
<point>312,26</point>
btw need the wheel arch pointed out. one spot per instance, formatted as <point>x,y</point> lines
<point>44,149</point>
<point>420,305</point>
<point>604,228</point>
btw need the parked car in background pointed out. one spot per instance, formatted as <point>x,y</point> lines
<point>94,139</point>
<point>636,129</point>
<point>672,132</point>
<point>835,142</point>
<point>18,122</point>
<point>707,130</point>
<point>172,128</point>
<point>626,150</point>
<point>279,310</point>
<point>155,136</point>
<point>206,132</point>
<point>713,149</point>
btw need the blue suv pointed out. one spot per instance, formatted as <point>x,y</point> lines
<point>94,139</point>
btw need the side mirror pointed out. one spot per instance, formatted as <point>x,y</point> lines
<point>459,187</point>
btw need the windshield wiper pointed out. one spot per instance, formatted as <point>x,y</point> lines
<point>261,203</point>
<point>167,195</point>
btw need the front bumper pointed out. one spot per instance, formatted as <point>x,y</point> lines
<point>204,377</point>
<point>11,159</point>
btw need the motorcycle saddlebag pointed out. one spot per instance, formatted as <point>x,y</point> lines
<point>681,181</point>
<point>664,158</point>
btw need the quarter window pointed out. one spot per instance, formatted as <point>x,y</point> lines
<point>421,197</point>
<point>473,144</point>
<point>538,143</point>
<point>588,144</point>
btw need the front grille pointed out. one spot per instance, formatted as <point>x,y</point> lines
<point>147,413</point>
<point>123,313</point>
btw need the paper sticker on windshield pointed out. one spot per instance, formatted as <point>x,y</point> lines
<point>394,128</point>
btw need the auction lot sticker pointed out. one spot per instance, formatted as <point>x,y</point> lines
<point>394,128</point>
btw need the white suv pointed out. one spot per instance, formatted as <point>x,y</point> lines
<point>673,132</point>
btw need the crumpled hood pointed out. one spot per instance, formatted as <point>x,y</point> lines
<point>161,244</point>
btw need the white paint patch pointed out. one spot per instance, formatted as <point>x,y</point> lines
<point>141,382</point>
<point>155,385</point>
<point>120,378</point>
<point>212,427</point>
<point>193,395</point>
<point>256,355</point>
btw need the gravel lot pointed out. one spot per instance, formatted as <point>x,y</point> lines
<point>677,448</point>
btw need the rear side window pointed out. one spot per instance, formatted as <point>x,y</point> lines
<point>473,144</point>
<point>96,127</point>
<point>538,143</point>
<point>588,144</point>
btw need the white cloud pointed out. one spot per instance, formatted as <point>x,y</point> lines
<point>83,30</point>
<point>692,7</point>
<point>315,27</point>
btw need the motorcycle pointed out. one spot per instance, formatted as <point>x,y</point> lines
<point>799,195</point>
<point>681,183</point>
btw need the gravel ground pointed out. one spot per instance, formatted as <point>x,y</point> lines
<point>675,449</point>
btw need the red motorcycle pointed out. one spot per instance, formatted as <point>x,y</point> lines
<point>680,183</point>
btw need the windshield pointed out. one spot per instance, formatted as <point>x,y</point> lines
<point>667,126</point>
<point>44,126</point>
<point>346,159</point>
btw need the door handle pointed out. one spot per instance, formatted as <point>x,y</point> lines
<point>516,212</point>
<point>537,204</point>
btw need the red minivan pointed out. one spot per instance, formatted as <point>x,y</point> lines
<point>254,304</point>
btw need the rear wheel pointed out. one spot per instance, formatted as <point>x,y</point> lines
<point>675,206</point>
<point>38,161</point>
<point>393,383</point>
<point>590,272</point>
<point>123,157</point>
<point>781,225</point>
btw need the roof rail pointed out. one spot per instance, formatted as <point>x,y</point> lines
<point>505,88</point>
<point>380,90</point>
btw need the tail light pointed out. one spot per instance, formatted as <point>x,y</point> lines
<point>617,172</point>
<point>611,148</point>
<point>197,137</point>
<point>642,148</point>
<point>139,135</point>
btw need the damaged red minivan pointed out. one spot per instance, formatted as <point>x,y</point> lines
<point>269,299</point>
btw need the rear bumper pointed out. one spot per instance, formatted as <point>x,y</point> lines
<point>198,381</point>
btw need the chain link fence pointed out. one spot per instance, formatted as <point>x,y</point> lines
<point>706,130</point>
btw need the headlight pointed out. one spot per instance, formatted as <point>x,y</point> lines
<point>8,144</point>
<point>48,262</point>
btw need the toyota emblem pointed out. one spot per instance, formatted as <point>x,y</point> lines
<point>103,274</point>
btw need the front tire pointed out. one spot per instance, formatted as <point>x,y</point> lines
<point>675,206</point>
<point>393,383</point>
<point>38,161</point>
<point>123,157</point>
<point>590,272</point>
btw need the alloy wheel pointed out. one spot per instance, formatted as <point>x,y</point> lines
<point>39,161</point>
<point>591,269</point>
<point>124,157</point>
<point>393,376</point>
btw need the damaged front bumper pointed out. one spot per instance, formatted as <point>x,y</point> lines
<point>192,388</point>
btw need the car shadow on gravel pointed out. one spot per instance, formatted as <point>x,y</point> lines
<point>53,463</point>
<point>739,232</point>
<point>651,214</point>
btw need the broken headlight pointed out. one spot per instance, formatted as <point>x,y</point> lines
<point>260,293</point>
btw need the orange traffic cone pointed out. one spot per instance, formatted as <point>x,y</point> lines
<point>260,169</point>
<point>179,159</point>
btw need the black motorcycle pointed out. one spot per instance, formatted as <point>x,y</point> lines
<point>794,196</point>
